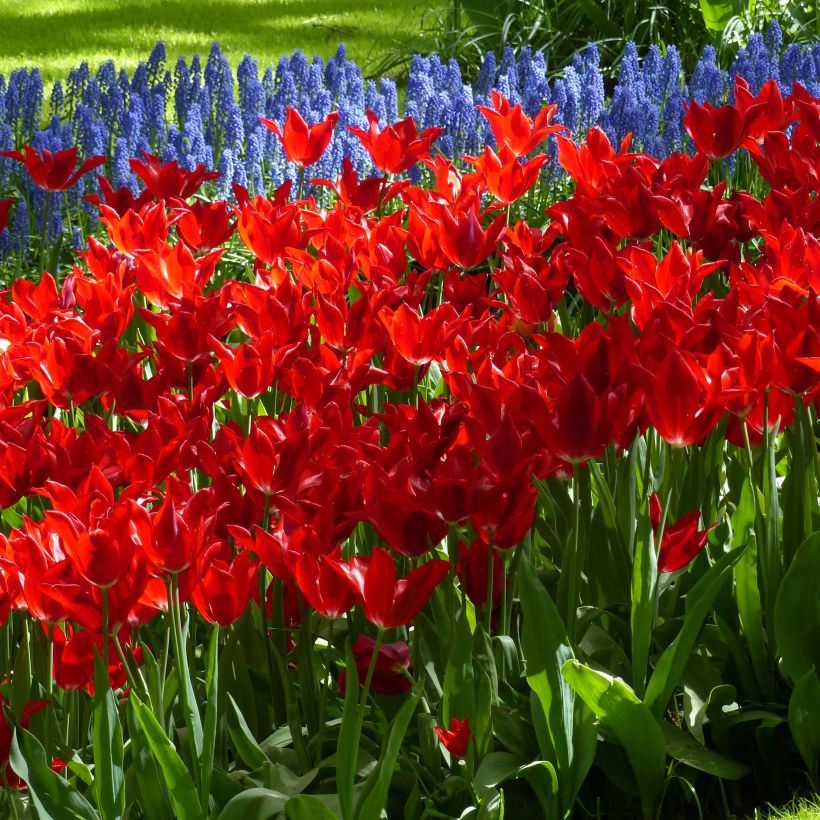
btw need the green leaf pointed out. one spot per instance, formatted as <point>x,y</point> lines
<point>566,736</point>
<point>644,585</point>
<point>307,807</point>
<point>495,769</point>
<point>107,744</point>
<point>246,746</point>
<point>804,707</point>
<point>153,800</point>
<point>347,746</point>
<point>619,709</point>
<point>683,747</point>
<point>53,797</point>
<point>797,611</point>
<point>181,789</point>
<point>374,795</point>
<point>699,601</point>
<point>458,699</point>
<point>747,588</point>
<point>717,13</point>
<point>254,804</point>
<point>206,761</point>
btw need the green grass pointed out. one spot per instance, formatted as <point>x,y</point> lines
<point>56,35</point>
<point>797,810</point>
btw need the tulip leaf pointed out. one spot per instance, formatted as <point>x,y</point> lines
<point>685,748</point>
<point>717,13</point>
<point>797,611</point>
<point>747,588</point>
<point>308,807</point>
<point>107,744</point>
<point>564,727</point>
<point>246,746</point>
<point>206,761</point>
<point>347,746</point>
<point>255,804</point>
<point>699,600</point>
<point>180,785</point>
<point>458,699</point>
<point>804,706</point>
<point>644,585</point>
<point>373,797</point>
<point>620,710</point>
<point>143,766</point>
<point>53,796</point>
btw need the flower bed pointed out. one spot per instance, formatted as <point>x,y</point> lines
<point>409,503</point>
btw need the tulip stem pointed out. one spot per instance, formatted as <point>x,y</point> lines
<point>488,603</point>
<point>44,230</point>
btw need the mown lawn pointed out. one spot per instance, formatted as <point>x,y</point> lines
<point>56,35</point>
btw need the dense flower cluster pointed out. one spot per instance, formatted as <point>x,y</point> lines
<point>180,428</point>
<point>209,115</point>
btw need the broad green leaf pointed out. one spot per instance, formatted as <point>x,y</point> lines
<point>307,807</point>
<point>143,766</point>
<point>374,795</point>
<point>747,588</point>
<point>685,748</point>
<point>246,746</point>
<point>673,661</point>
<point>181,789</point>
<point>53,797</point>
<point>797,611</point>
<point>107,744</point>
<point>804,707</point>
<point>255,804</point>
<point>495,769</point>
<point>564,727</point>
<point>717,13</point>
<point>618,708</point>
<point>458,699</point>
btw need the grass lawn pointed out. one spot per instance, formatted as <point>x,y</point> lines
<point>57,35</point>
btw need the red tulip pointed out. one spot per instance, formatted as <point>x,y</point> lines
<point>54,172</point>
<point>5,206</point>
<point>226,586</point>
<point>390,672</point>
<point>389,603</point>
<point>717,131</point>
<point>397,147</point>
<point>324,589</point>
<point>168,180</point>
<point>682,540</point>
<point>464,242</point>
<point>304,144</point>
<point>682,402</point>
<point>506,178</point>
<point>457,739</point>
<point>513,129</point>
<point>419,339</point>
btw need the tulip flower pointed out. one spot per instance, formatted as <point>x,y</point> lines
<point>304,144</point>
<point>54,172</point>
<point>719,130</point>
<point>391,670</point>
<point>389,603</point>
<point>5,206</point>
<point>457,739</point>
<point>168,180</point>
<point>513,129</point>
<point>506,178</point>
<point>682,540</point>
<point>397,147</point>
